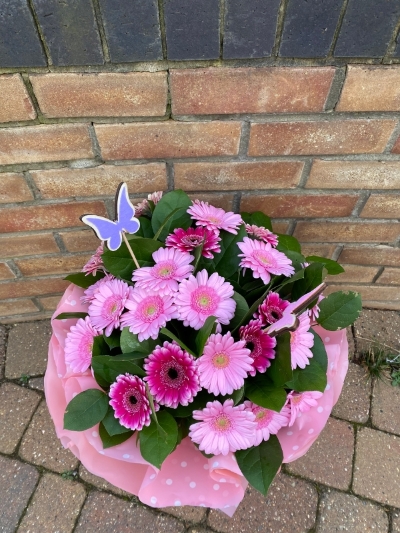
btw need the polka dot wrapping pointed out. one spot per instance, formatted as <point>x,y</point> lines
<point>186,476</point>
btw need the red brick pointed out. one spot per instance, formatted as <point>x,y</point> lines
<point>278,226</point>
<point>396,147</point>
<point>50,302</point>
<point>323,250</point>
<point>168,139</point>
<point>47,216</point>
<point>390,276</point>
<point>354,174</point>
<point>371,89</point>
<point>322,137</point>
<point>238,176</point>
<point>382,206</point>
<point>44,143</point>
<point>377,255</point>
<point>291,205</point>
<point>18,245</point>
<point>218,199</point>
<point>13,188</point>
<point>52,265</point>
<point>354,274</point>
<point>17,307</point>
<point>15,103</point>
<point>347,232</point>
<point>250,90</point>
<point>36,287</point>
<point>5,272</point>
<point>375,296</point>
<point>101,95</point>
<point>80,241</point>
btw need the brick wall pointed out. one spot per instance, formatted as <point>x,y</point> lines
<point>317,148</point>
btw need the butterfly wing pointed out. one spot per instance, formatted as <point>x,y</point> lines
<point>125,211</point>
<point>106,230</point>
<point>302,303</point>
<point>288,322</point>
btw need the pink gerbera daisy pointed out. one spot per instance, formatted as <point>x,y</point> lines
<point>90,292</point>
<point>300,402</point>
<point>214,218</point>
<point>189,239</point>
<point>223,428</point>
<point>313,313</point>
<point>261,346</point>
<point>202,296</point>
<point>171,267</point>
<point>107,305</point>
<point>262,233</point>
<point>79,344</point>
<point>130,402</point>
<point>268,422</point>
<point>95,263</point>
<point>301,340</point>
<point>148,313</point>
<point>271,309</point>
<point>155,197</point>
<point>264,260</point>
<point>224,364</point>
<point>172,375</point>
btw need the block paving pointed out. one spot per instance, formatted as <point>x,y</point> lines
<point>348,481</point>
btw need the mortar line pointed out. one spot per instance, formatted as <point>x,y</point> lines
<point>60,242</point>
<point>14,269</point>
<point>244,140</point>
<point>336,89</point>
<point>280,21</point>
<point>336,253</point>
<point>305,174</point>
<point>163,30</point>
<point>392,44</point>
<point>95,144</point>
<point>222,7</point>
<point>338,29</point>
<point>237,198</point>
<point>360,204</point>
<point>29,87</point>
<point>40,307</point>
<point>170,175</point>
<point>393,138</point>
<point>32,185</point>
<point>46,49</point>
<point>102,32</point>
<point>378,274</point>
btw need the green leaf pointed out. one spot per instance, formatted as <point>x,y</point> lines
<point>339,310</point>
<point>85,281</point>
<point>112,425</point>
<point>297,259</point>
<point>312,278</point>
<point>145,229</point>
<point>204,333</point>
<point>240,312</point>
<point>257,218</point>
<point>175,203</point>
<point>158,440</point>
<point>170,335</point>
<point>198,255</point>
<point>112,440</point>
<point>288,243</point>
<point>108,368</point>
<point>299,275</point>
<point>199,402</point>
<point>319,351</point>
<point>113,340</point>
<point>120,263</point>
<point>86,410</point>
<point>237,395</point>
<point>130,343</point>
<point>262,391</point>
<point>66,316</point>
<point>259,464</point>
<point>249,315</point>
<point>226,263</point>
<point>100,347</point>
<point>280,370</point>
<point>331,266</point>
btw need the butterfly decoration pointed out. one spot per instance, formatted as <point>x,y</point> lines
<point>125,221</point>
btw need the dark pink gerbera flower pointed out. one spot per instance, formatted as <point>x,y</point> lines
<point>261,346</point>
<point>189,239</point>
<point>130,402</point>
<point>271,309</point>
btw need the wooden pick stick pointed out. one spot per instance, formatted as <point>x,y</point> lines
<point>130,250</point>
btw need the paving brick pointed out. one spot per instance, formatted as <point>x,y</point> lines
<point>396,522</point>
<point>347,232</point>
<point>378,326</point>
<point>13,187</point>
<point>322,250</point>
<point>396,147</point>
<point>376,474</point>
<point>27,349</point>
<point>192,29</point>
<point>250,90</point>
<point>249,28</point>
<point>17,307</point>
<point>15,103</point>
<point>329,460</point>
<point>344,512</point>
<point>70,31</point>
<point>55,506</point>
<point>309,28</point>
<point>373,296</point>
<point>41,446</point>
<point>103,94</point>
<point>17,405</point>
<point>168,139</point>
<point>132,30</point>
<point>5,272</point>
<point>36,144</point>
<point>37,384</point>
<point>100,483</point>
<point>390,276</point>
<point>17,481</point>
<point>381,206</point>
<point>187,513</point>
<point>296,205</point>
<point>52,265</point>
<point>345,174</point>
<point>354,400</point>
<point>289,507</point>
<point>371,255</point>
<point>103,513</point>
<point>19,245</point>
<point>322,137</point>
<point>36,287</point>
<point>80,241</point>
<point>355,274</point>
<point>385,406</point>
<point>50,303</point>
<point>217,199</point>
<point>351,343</point>
<point>238,176</point>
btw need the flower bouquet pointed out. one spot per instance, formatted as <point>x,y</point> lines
<point>195,352</point>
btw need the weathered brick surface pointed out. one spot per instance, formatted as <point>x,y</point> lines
<point>396,147</point>
<point>101,95</point>
<point>347,232</point>
<point>80,241</point>
<point>355,274</point>
<point>15,103</point>
<point>17,307</point>
<point>386,406</point>
<point>50,303</point>
<point>55,506</point>
<point>282,206</point>
<point>218,200</point>
<point>36,144</point>
<point>375,296</point>
<point>36,287</point>
<point>370,88</point>
<point>17,405</point>
<point>52,265</point>
<point>354,400</point>
<point>187,513</point>
<point>381,206</point>
<point>377,326</point>
<point>370,255</point>
<point>36,384</point>
<point>168,139</point>
<point>390,276</point>
<point>322,250</point>
<point>279,227</point>
<point>234,176</point>
<point>250,90</point>
<point>5,272</point>
<point>100,483</point>
<point>351,174</point>
<point>19,245</point>
<point>329,460</point>
<point>323,137</point>
<point>13,188</point>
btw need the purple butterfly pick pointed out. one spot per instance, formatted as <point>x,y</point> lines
<point>111,231</point>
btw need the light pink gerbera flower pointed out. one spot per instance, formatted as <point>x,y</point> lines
<point>223,428</point>
<point>95,263</point>
<point>214,218</point>
<point>313,313</point>
<point>262,233</point>
<point>264,260</point>
<point>142,208</point>
<point>171,267</point>
<point>130,402</point>
<point>268,422</point>
<point>189,239</point>
<point>107,305</point>
<point>172,375</point>
<point>300,402</point>
<point>224,364</point>
<point>271,309</point>
<point>148,313</point>
<point>202,296</point>
<point>301,340</point>
<point>155,197</point>
<point>79,344</point>
<point>90,292</point>
<point>261,346</point>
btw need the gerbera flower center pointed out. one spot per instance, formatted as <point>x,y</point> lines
<point>296,399</point>
<point>215,220</point>
<point>192,240</point>
<point>263,416</point>
<point>112,306</point>
<point>172,375</point>
<point>220,360</point>
<point>205,300</point>
<point>262,257</point>
<point>150,309</point>
<point>164,270</point>
<point>222,423</point>
<point>131,401</point>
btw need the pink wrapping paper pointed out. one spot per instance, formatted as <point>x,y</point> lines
<point>186,476</point>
